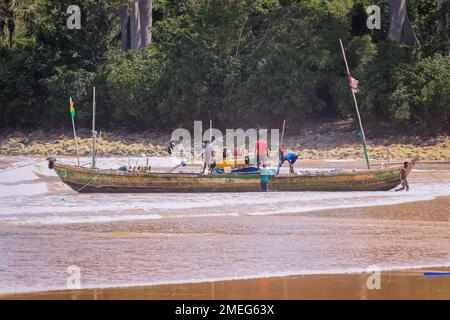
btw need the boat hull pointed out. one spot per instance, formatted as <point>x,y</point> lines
<point>85,180</point>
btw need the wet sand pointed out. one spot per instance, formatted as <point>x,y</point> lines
<point>397,284</point>
<point>404,284</point>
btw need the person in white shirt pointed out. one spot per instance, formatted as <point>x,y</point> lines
<point>208,157</point>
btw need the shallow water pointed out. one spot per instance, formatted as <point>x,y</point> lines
<point>137,239</point>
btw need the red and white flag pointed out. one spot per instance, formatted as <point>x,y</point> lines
<point>353,84</point>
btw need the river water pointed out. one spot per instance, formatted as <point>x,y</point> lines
<point>144,239</point>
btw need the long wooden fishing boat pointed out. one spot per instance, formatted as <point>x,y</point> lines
<point>94,180</point>
<point>88,180</point>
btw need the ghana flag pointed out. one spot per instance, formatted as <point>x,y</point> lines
<point>72,108</point>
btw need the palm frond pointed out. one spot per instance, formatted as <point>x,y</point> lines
<point>10,8</point>
<point>29,16</point>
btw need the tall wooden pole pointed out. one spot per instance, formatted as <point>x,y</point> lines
<point>356,106</point>
<point>282,134</point>
<point>75,135</point>
<point>388,156</point>
<point>94,134</point>
<point>210,131</point>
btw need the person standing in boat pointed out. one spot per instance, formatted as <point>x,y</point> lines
<point>208,157</point>
<point>403,176</point>
<point>261,152</point>
<point>170,147</point>
<point>290,157</point>
<point>265,178</point>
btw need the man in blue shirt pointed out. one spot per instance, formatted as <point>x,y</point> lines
<point>265,177</point>
<point>291,158</point>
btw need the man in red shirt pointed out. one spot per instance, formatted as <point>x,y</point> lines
<point>261,152</point>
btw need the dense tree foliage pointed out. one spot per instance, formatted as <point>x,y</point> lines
<point>237,62</point>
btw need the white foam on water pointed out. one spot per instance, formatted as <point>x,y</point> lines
<point>148,202</point>
<point>207,215</point>
<point>375,199</point>
<point>215,205</point>
<point>84,219</point>
<point>18,174</point>
<point>74,203</point>
<point>291,273</point>
<point>62,220</point>
<point>61,206</point>
<point>29,189</point>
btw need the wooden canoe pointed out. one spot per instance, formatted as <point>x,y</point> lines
<point>83,180</point>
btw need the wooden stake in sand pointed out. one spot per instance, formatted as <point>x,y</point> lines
<point>356,106</point>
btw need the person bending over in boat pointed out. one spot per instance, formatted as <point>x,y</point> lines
<point>403,176</point>
<point>291,158</point>
<point>265,177</point>
<point>208,157</point>
<point>172,145</point>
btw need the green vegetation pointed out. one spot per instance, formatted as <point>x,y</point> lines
<point>239,63</point>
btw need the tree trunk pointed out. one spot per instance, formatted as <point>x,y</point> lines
<point>444,23</point>
<point>146,16</point>
<point>135,26</point>
<point>124,14</point>
<point>400,29</point>
<point>11,29</point>
<point>11,41</point>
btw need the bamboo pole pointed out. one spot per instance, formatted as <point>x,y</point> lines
<point>75,136</point>
<point>388,156</point>
<point>210,131</point>
<point>98,144</point>
<point>176,167</point>
<point>281,146</point>
<point>282,135</point>
<point>357,109</point>
<point>94,134</point>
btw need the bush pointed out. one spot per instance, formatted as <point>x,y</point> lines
<point>423,93</point>
<point>127,93</point>
<point>69,83</point>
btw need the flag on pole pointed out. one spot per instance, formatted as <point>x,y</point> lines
<point>72,108</point>
<point>353,84</point>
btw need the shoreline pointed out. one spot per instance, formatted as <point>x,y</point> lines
<point>394,285</point>
<point>330,140</point>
